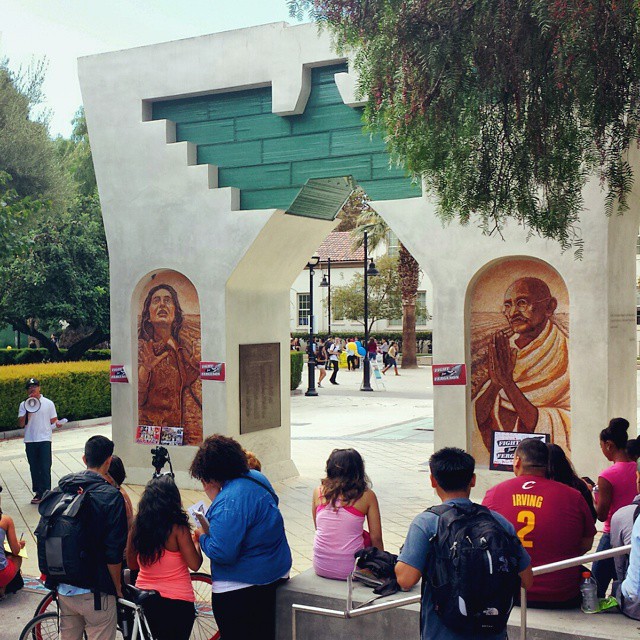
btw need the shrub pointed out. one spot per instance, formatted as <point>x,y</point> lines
<point>80,390</point>
<point>296,369</point>
<point>30,356</point>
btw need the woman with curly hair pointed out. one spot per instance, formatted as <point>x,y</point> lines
<point>160,545</point>
<point>340,504</point>
<point>243,535</point>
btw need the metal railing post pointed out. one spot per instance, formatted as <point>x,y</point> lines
<point>523,613</point>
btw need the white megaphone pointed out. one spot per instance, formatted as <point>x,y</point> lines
<point>32,404</point>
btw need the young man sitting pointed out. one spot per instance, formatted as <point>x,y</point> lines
<point>552,520</point>
<point>452,476</point>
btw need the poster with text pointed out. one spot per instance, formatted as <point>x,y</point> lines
<point>504,445</point>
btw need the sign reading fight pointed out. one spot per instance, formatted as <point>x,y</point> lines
<point>212,371</point>
<point>504,445</point>
<point>449,374</point>
<point>118,374</point>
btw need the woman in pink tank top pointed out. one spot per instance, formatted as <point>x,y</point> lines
<point>340,505</point>
<point>161,546</point>
<point>616,488</point>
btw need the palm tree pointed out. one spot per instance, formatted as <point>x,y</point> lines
<point>408,270</point>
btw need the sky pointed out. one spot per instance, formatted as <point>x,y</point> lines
<point>64,30</point>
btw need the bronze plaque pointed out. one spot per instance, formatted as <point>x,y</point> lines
<point>260,406</point>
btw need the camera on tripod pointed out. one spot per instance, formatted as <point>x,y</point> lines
<point>160,457</point>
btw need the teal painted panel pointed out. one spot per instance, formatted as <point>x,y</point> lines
<point>325,75</point>
<point>393,189</point>
<point>322,197</point>
<point>351,141</point>
<point>206,132</point>
<point>266,125</point>
<point>333,116</point>
<point>357,166</point>
<point>382,170</point>
<point>235,154</point>
<point>188,110</point>
<point>267,176</point>
<point>239,103</point>
<point>296,148</point>
<point>324,94</point>
<point>268,198</point>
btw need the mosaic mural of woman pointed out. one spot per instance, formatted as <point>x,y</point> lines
<point>520,354</point>
<point>169,387</point>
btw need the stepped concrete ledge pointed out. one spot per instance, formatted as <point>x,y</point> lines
<point>309,589</point>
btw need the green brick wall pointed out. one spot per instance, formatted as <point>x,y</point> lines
<point>270,157</point>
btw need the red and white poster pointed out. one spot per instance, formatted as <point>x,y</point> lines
<point>449,374</point>
<point>118,373</point>
<point>212,371</point>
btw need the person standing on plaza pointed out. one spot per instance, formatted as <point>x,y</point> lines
<point>38,426</point>
<point>372,349</point>
<point>352,354</point>
<point>321,361</point>
<point>390,358</point>
<point>334,362</point>
<point>384,350</point>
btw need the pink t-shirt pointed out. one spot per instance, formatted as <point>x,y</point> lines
<point>169,576</point>
<point>339,534</point>
<point>622,476</point>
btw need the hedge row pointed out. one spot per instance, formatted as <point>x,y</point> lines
<point>80,390</point>
<point>31,356</point>
<point>297,364</point>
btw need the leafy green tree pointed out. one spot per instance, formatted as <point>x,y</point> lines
<point>384,295</point>
<point>409,277</point>
<point>503,108</point>
<point>63,275</point>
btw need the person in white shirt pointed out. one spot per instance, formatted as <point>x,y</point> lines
<point>38,425</point>
<point>334,354</point>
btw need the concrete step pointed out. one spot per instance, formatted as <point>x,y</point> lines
<point>309,589</point>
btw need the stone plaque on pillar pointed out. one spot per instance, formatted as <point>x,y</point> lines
<point>260,406</point>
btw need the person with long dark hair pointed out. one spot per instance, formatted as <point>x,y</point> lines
<point>616,488</point>
<point>243,535</point>
<point>340,505</point>
<point>561,470</point>
<point>160,545</point>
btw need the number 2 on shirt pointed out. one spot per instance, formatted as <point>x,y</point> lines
<point>528,518</point>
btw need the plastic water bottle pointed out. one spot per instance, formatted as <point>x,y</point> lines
<point>589,591</point>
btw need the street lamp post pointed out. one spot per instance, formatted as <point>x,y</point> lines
<point>326,282</point>
<point>311,356</point>
<point>369,271</point>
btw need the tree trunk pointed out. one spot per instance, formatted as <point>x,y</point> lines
<point>29,328</point>
<point>409,278</point>
<point>78,349</point>
<point>409,357</point>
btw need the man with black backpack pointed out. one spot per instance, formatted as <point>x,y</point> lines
<point>469,558</point>
<point>81,539</point>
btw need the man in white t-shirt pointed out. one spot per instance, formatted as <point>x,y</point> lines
<point>38,424</point>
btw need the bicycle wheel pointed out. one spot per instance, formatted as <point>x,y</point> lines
<point>42,627</point>
<point>204,627</point>
<point>47,604</point>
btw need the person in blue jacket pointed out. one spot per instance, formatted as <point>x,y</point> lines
<point>243,535</point>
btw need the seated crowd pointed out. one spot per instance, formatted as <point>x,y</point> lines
<point>546,510</point>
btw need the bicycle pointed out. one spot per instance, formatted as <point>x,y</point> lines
<point>204,627</point>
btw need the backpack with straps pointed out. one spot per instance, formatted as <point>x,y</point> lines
<point>65,548</point>
<point>472,569</point>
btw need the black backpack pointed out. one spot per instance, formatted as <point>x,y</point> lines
<point>472,569</point>
<point>65,550</point>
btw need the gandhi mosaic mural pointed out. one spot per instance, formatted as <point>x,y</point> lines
<point>520,354</point>
<point>169,386</point>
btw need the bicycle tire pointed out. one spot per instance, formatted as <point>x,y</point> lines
<point>204,626</point>
<point>46,626</point>
<point>45,603</point>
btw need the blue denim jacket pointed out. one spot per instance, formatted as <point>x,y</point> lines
<point>246,540</point>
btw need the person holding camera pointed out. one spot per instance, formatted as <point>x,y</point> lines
<point>37,415</point>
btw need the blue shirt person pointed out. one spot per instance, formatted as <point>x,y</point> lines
<point>452,476</point>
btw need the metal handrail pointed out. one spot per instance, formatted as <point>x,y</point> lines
<point>350,612</point>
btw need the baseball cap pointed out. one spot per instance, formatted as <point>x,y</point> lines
<point>32,382</point>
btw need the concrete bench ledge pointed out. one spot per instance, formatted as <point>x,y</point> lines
<point>309,589</point>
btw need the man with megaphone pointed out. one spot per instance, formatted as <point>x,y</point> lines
<point>38,416</point>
